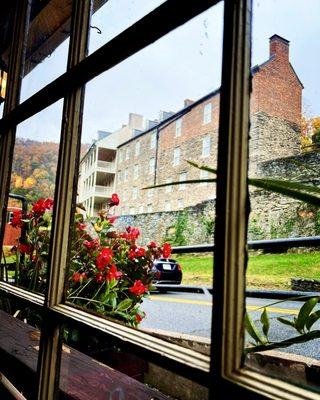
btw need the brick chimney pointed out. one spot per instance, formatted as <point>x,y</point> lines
<point>279,47</point>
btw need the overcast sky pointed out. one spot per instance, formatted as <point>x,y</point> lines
<point>184,64</point>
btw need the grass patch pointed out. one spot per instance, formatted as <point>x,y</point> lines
<point>271,271</point>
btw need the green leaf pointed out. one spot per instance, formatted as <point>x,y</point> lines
<point>313,318</point>
<point>295,190</point>
<point>124,305</point>
<point>112,283</point>
<point>286,321</point>
<point>203,167</point>
<point>253,330</point>
<point>264,319</point>
<point>304,313</point>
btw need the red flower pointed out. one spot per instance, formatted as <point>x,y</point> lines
<point>16,221</point>
<point>152,245</point>
<point>113,273</point>
<point>25,248</point>
<point>92,244</point>
<point>99,277</point>
<point>131,233</point>
<point>112,219</point>
<point>40,207</point>
<point>136,252</point>
<point>104,258</point>
<point>139,317</point>
<point>114,200</point>
<point>138,288</point>
<point>76,277</point>
<point>166,250</point>
<point>81,226</point>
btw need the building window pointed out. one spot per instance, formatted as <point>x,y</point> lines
<point>180,203</point>
<point>176,156</point>
<point>127,153</point>
<point>153,140</point>
<point>131,212</point>
<point>207,110</point>
<point>168,206</point>
<point>206,144</point>
<point>204,175</point>
<point>126,172</point>
<point>119,176</point>
<point>134,193</point>
<point>140,209</point>
<point>169,188</point>
<point>149,208</point>
<point>137,148</point>
<point>135,171</point>
<point>178,127</point>
<point>150,193</point>
<point>182,178</point>
<point>152,164</point>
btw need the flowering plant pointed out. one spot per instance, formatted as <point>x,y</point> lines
<point>109,272</point>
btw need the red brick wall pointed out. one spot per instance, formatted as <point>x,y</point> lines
<point>276,88</point>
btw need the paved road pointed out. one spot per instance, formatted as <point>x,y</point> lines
<point>190,313</point>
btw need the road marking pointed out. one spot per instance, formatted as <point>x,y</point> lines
<point>276,310</point>
<point>175,300</point>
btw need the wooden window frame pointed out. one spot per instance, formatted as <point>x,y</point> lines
<point>224,369</point>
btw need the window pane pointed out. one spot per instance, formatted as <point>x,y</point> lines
<point>120,250</point>
<point>47,45</point>
<point>118,20</point>
<point>283,146</point>
<point>29,213</point>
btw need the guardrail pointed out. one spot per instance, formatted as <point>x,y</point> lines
<point>272,244</point>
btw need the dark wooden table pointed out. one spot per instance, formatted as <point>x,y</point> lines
<point>81,376</point>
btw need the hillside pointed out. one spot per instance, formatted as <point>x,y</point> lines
<point>34,168</point>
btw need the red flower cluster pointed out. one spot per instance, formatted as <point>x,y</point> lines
<point>104,258</point>
<point>25,248</point>
<point>166,250</point>
<point>136,252</point>
<point>114,200</point>
<point>131,233</point>
<point>41,206</point>
<point>16,221</point>
<point>138,288</point>
<point>113,273</point>
<point>79,277</point>
<point>92,244</point>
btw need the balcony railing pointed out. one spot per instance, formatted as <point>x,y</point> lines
<point>105,191</point>
<point>106,166</point>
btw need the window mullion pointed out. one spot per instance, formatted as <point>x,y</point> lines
<point>50,345</point>
<point>15,73</point>
<point>232,199</point>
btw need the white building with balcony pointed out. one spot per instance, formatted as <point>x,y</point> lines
<point>98,166</point>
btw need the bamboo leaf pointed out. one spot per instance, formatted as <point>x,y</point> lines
<point>180,183</point>
<point>304,313</point>
<point>286,321</point>
<point>253,330</point>
<point>264,319</point>
<point>203,167</point>
<point>285,343</point>
<point>312,319</point>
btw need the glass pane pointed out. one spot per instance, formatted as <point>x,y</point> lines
<point>47,46</point>
<point>140,136</point>
<point>284,146</point>
<point>118,20</point>
<point>29,212</point>
<point>112,372</point>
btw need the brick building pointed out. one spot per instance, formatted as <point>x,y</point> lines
<point>157,155</point>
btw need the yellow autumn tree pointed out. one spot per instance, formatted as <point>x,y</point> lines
<point>29,182</point>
